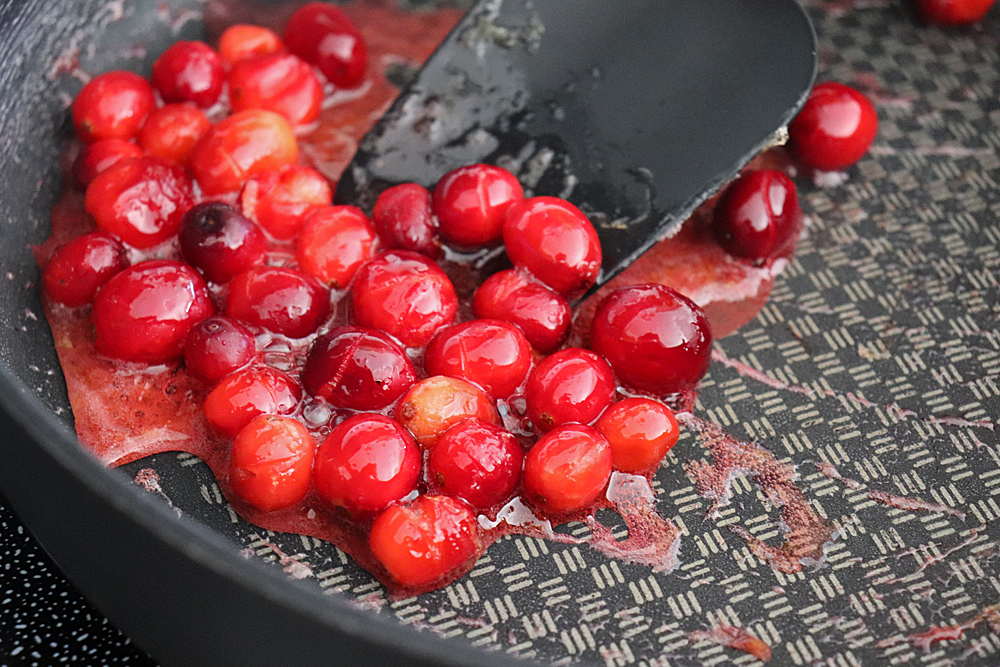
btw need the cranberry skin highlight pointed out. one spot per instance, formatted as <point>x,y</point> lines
<point>567,469</point>
<point>403,220</point>
<point>544,316</point>
<point>640,432</point>
<point>285,301</point>
<point>478,462</point>
<point>491,353</point>
<point>113,105</point>
<point>216,347</point>
<point>248,393</point>
<point>470,204</point>
<point>757,216</point>
<point>270,465</point>
<point>220,242</point>
<point>78,269</point>
<point>835,127</point>
<point>572,385</point>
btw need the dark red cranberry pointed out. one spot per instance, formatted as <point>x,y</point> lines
<point>321,33</point>
<point>404,221</point>
<point>218,346</point>
<point>172,131</point>
<point>279,82</point>
<point>572,385</point>
<point>567,469</point>
<point>656,339</point>
<point>280,199</point>
<point>216,239</point>
<point>512,296</point>
<point>492,353</point>
<point>285,301</point>
<point>835,127</point>
<point>189,72</point>
<point>113,105</point>
<point>356,368</point>
<point>953,12</point>
<point>434,405</point>
<point>247,394</point>
<point>99,156</point>
<point>79,268</point>
<point>470,204</point>
<point>758,215</point>
<point>335,241</point>
<point>270,464</point>
<point>476,461</point>
<point>640,432</point>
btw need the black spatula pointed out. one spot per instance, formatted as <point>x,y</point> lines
<point>635,110</point>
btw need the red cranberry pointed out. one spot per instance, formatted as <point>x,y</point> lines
<point>172,131</point>
<point>280,199</point>
<point>434,405</point>
<point>470,204</point>
<point>321,33</point>
<point>279,82</point>
<point>270,465</point>
<point>640,433</point>
<point>356,368</point>
<point>492,353</point>
<point>553,240</point>
<point>248,393</point>
<point>79,268</point>
<point>758,215</point>
<point>542,315</point>
<point>99,156</point>
<point>953,12</point>
<point>567,469</point>
<point>404,221</point>
<point>189,72</point>
<point>404,294</point>
<point>144,313</point>
<point>334,243</point>
<point>366,463</point>
<point>285,301</point>
<point>835,127</point>
<point>656,339</point>
<point>217,240</point>
<point>423,543</point>
<point>112,105</point>
<point>572,385</point>
<point>476,461</point>
<point>246,41</point>
<point>218,346</point>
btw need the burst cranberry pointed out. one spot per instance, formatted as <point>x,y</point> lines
<point>217,240</point>
<point>835,127</point>
<point>434,405</point>
<point>112,105</point>
<point>542,315</point>
<point>476,461</point>
<point>246,41</point>
<point>101,155</point>
<point>953,12</point>
<point>640,433</point>
<point>270,465</point>
<point>216,347</point>
<point>758,215</point>
<point>172,131</point>
<point>365,464</point>
<point>321,33</point>
<point>492,353</point>
<point>470,204</point>
<point>404,294</point>
<point>144,313</point>
<point>79,268</point>
<point>279,82</point>
<point>335,242</point>
<point>285,301</point>
<point>248,393</point>
<point>356,368</point>
<point>656,339</point>
<point>572,385</point>
<point>189,72</point>
<point>553,240</point>
<point>426,541</point>
<point>404,221</point>
<point>567,469</point>
<point>280,199</point>
<point>241,146</point>
<point>140,201</point>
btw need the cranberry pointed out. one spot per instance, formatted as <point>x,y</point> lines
<point>79,268</point>
<point>404,294</point>
<point>218,346</point>
<point>470,204</point>
<point>542,315</point>
<point>99,156</point>
<point>567,469</point>
<point>434,405</point>
<point>492,353</point>
<point>246,41</point>
<point>656,339</point>
<point>553,240</point>
<point>426,541</point>
<point>356,368</point>
<point>953,12</point>
<point>758,215</point>
<point>112,105</point>
<point>335,242</point>
<point>144,312</point>
<point>189,72</point>
<point>270,465</point>
<point>365,464</point>
<point>279,82</point>
<point>280,199</point>
<point>172,131</point>
<point>572,385</point>
<point>321,33</point>
<point>285,301</point>
<point>835,127</point>
<point>246,394</point>
<point>140,201</point>
<point>476,461</point>
<point>217,240</point>
<point>640,433</point>
<point>404,221</point>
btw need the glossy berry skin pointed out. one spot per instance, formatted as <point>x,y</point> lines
<point>490,353</point>
<point>270,464</point>
<point>655,338</point>
<point>172,131</point>
<point>422,543</point>
<point>640,433</point>
<point>140,201</point>
<point>567,469</point>
<point>953,12</point>
<point>284,301</point>
<point>470,204</point>
<point>100,155</point>
<point>279,82</point>
<point>241,397</point>
<point>246,41</point>
<point>189,72</point>
<point>359,369</point>
<point>434,405</point>
<point>113,105</point>
<point>757,216</point>
<point>835,127</point>
<point>555,242</point>
<point>78,269</point>
<point>404,294</point>
<point>321,33</point>
<point>478,462</point>
<point>543,315</point>
<point>220,242</point>
<point>335,241</point>
<point>366,463</point>
<point>144,312</point>
<point>216,347</point>
<point>404,221</point>
<point>572,385</point>
<point>280,199</point>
